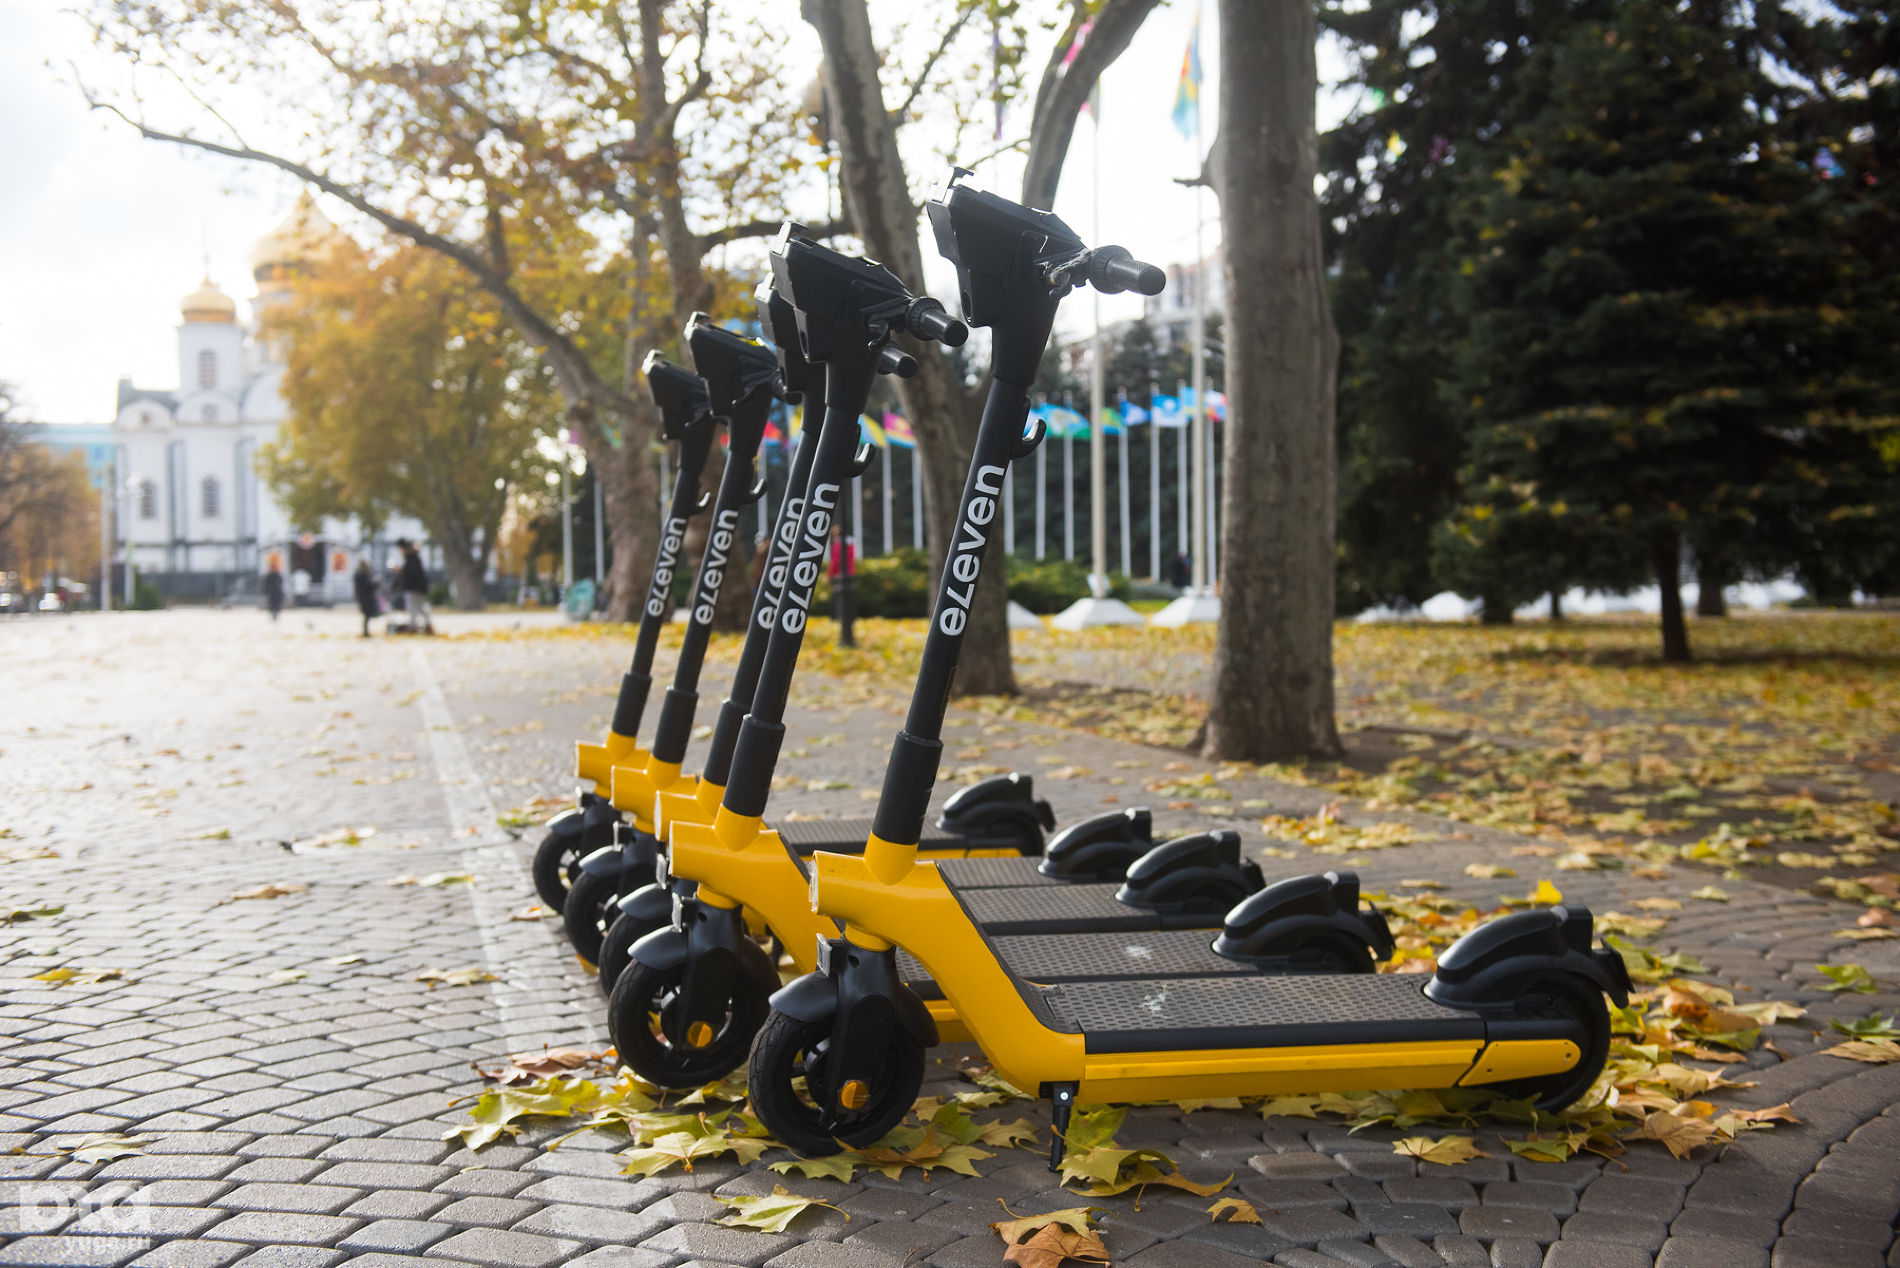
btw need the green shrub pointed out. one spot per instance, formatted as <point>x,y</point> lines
<point>901,585</point>
<point>145,596</point>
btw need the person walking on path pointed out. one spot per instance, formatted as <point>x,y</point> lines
<point>415,588</point>
<point>369,599</point>
<point>274,589</point>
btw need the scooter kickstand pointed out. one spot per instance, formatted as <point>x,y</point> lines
<point>1062,1102</point>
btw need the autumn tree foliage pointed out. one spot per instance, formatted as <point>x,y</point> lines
<point>1660,351</point>
<point>409,394</point>
<point>49,511</point>
<point>581,162</point>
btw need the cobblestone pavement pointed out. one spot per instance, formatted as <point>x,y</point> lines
<point>296,1074</point>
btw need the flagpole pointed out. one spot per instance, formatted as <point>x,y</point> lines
<point>1128,563</point>
<point>1098,437</point>
<point>916,497</point>
<point>1068,481</point>
<point>1184,450</point>
<point>1154,485</point>
<point>887,492</point>
<point>1042,493</point>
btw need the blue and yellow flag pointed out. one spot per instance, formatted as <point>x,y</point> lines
<point>1187,98</point>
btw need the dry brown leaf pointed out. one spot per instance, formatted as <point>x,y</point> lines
<point>276,889</point>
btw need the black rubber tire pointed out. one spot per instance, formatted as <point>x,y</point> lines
<point>1576,1000</point>
<point>555,862</point>
<point>642,993</point>
<point>616,949</point>
<point>589,907</point>
<point>780,1055</point>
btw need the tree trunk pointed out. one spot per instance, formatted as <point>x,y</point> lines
<point>465,574</point>
<point>1495,611</point>
<point>1556,606</point>
<point>877,195</point>
<point>1273,657</point>
<point>630,501</point>
<point>1667,547</point>
<point>1709,579</point>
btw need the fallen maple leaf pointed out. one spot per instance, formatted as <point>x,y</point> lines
<point>1237,1211</point>
<point>456,977</point>
<point>1448,1150</point>
<point>1046,1240</point>
<point>275,889</point>
<point>1872,1051</point>
<point>771,1213</point>
<point>105,1146</point>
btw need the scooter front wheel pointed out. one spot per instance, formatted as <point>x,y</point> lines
<point>616,949</point>
<point>788,1061</point>
<point>589,906</point>
<point>556,866</point>
<point>639,1019</point>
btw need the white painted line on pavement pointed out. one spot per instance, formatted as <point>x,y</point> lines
<point>529,990</point>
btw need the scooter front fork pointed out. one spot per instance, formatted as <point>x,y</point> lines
<point>713,963</point>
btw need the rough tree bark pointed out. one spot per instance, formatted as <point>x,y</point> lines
<point>1666,549</point>
<point>877,195</point>
<point>1273,657</point>
<point>1710,576</point>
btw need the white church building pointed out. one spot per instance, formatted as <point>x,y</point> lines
<point>194,514</point>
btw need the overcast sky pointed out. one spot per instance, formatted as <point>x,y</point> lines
<point>101,232</point>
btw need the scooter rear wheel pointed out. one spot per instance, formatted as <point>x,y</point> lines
<point>788,1058</point>
<point>556,865</point>
<point>589,906</point>
<point>1571,1000</point>
<point>637,1022</point>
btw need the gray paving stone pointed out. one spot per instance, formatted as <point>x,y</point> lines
<point>829,1255</point>
<point>1569,1254</point>
<point>1455,1194</point>
<point>170,1167</point>
<point>396,1236</point>
<point>281,1227</point>
<point>1818,1252</point>
<point>384,1259</point>
<point>1532,1195</point>
<point>396,1204</point>
<point>1516,1252</point>
<point>1166,1255</point>
<point>1628,1230</point>
<point>308,1199</point>
<point>492,1212</point>
<point>1836,1225</point>
<point>284,1147</point>
<point>622,1257</point>
<point>716,1242</point>
<point>188,1253</point>
<point>487,1182</point>
<point>900,1239</point>
<point>1310,1225</point>
<point>1308,1166</point>
<point>1359,1254</point>
<point>139,1219</point>
<point>1407,1252</point>
<point>72,1252</point>
<point>592,1224</point>
<point>1302,1258</point>
<point>1288,1194</point>
<point>1631,1195</point>
<point>1418,1219</point>
<point>1239,1239</point>
<point>1380,1167</point>
<point>278,1170</point>
<point>1711,1252</point>
<point>1490,1222</point>
<point>1699,1222</point>
<point>384,1175</point>
<point>292,1257</point>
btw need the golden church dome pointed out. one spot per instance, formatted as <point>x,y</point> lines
<point>304,235</point>
<point>208,303</point>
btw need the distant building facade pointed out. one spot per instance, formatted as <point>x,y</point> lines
<point>194,514</point>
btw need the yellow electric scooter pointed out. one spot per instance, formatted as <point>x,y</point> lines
<point>1517,1004</point>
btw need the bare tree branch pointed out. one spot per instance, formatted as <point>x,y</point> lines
<point>766,228</point>
<point>902,113</point>
<point>568,361</point>
<point>1063,89</point>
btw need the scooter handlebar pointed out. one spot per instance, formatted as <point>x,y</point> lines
<point>926,319</point>
<point>1113,270</point>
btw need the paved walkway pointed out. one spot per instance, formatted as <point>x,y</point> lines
<point>294,1068</point>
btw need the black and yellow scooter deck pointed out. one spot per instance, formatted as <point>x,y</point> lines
<point>1151,955</point>
<point>1181,1014</point>
<point>804,837</point>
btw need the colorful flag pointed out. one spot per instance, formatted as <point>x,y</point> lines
<point>1063,421</point>
<point>1168,412</point>
<point>1133,414</point>
<point>1111,421</point>
<point>897,431</point>
<point>1187,97</point>
<point>869,429</point>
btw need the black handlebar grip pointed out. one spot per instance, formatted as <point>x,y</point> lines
<point>1113,269</point>
<point>895,361</point>
<point>927,320</point>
